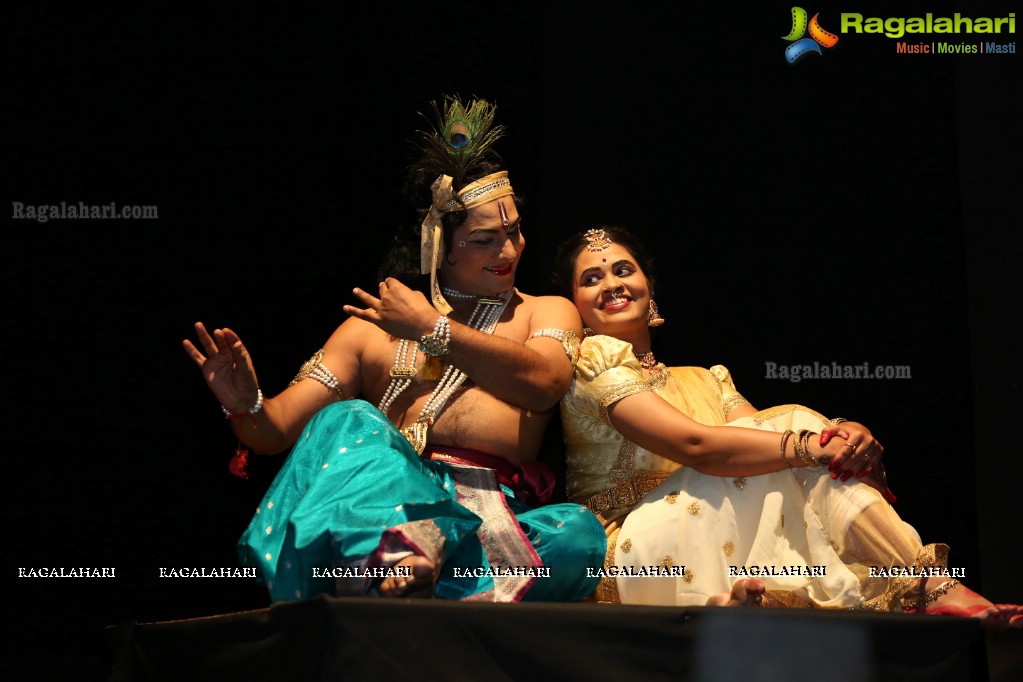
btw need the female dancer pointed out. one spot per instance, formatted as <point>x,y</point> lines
<point>779,506</point>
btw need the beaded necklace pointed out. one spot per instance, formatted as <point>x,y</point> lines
<point>484,318</point>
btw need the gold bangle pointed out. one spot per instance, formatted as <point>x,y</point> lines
<point>810,459</point>
<point>797,445</point>
<point>784,441</point>
<point>803,451</point>
<point>814,461</point>
<point>804,436</point>
<point>837,420</point>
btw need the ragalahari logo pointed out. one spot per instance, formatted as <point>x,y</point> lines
<point>801,46</point>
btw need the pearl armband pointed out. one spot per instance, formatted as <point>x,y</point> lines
<point>569,341</point>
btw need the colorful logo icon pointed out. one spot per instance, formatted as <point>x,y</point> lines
<point>801,46</point>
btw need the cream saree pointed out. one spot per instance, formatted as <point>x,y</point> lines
<point>812,540</point>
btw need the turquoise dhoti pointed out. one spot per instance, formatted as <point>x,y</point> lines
<point>354,498</point>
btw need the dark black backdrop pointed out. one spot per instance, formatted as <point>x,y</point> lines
<point>857,206</point>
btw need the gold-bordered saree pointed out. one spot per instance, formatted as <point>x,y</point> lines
<point>811,540</point>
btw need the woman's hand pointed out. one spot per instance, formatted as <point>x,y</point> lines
<point>860,456</point>
<point>861,450</point>
<point>226,367</point>
<point>401,312</point>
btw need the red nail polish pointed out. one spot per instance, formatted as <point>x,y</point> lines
<point>862,474</point>
<point>824,439</point>
<point>846,476</point>
<point>834,475</point>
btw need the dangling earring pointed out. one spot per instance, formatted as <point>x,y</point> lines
<point>587,332</point>
<point>653,318</point>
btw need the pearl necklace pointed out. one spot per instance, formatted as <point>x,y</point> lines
<point>454,293</point>
<point>484,318</point>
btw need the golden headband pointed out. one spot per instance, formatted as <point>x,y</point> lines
<point>482,191</point>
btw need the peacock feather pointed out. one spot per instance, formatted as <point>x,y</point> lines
<point>459,140</point>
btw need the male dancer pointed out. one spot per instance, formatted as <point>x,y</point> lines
<point>435,489</point>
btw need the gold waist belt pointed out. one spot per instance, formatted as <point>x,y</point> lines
<point>624,494</point>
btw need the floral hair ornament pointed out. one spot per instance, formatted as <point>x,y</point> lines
<point>462,137</point>
<point>597,241</point>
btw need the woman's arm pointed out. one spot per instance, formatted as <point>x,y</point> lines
<point>652,423</point>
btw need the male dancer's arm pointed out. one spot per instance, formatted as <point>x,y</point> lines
<point>276,425</point>
<point>532,374</point>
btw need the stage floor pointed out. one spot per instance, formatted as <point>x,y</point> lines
<point>360,639</point>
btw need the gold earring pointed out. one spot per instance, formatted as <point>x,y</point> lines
<point>653,318</point>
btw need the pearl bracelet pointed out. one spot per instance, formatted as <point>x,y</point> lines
<point>252,410</point>
<point>436,344</point>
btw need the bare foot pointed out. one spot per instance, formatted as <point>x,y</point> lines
<point>745,592</point>
<point>419,582</point>
<point>959,600</point>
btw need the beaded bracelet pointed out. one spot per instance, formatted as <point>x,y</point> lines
<point>251,411</point>
<point>436,344</point>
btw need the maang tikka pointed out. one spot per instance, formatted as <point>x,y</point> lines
<point>596,241</point>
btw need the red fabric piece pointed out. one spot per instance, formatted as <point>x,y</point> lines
<point>532,483</point>
<point>239,463</point>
